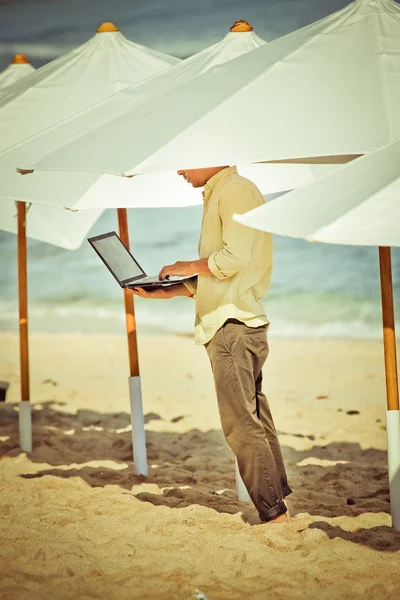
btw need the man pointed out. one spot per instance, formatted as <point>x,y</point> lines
<point>234,272</point>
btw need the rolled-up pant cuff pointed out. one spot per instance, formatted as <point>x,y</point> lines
<point>286,491</point>
<point>275,511</point>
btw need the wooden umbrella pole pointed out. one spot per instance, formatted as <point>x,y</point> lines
<point>389,335</point>
<point>25,418</point>
<point>23,302</point>
<point>392,389</point>
<point>129,302</point>
<point>135,389</point>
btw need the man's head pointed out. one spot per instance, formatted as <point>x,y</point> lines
<point>199,177</point>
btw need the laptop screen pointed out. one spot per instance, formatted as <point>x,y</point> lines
<point>118,259</point>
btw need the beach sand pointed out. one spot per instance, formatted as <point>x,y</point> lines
<point>77,523</point>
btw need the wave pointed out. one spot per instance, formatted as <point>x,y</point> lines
<point>176,318</point>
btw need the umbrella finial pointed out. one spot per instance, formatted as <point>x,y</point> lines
<point>241,25</point>
<point>20,59</point>
<point>107,28</point>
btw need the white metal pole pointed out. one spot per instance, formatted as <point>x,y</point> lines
<point>393,442</point>
<point>25,426</point>
<point>138,431</point>
<point>242,493</point>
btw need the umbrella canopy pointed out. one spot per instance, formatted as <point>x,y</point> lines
<point>307,95</point>
<point>240,39</point>
<point>45,223</point>
<point>62,228</point>
<point>19,67</point>
<point>105,64</point>
<point>89,190</point>
<point>359,204</point>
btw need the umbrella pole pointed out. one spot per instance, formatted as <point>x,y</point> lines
<point>392,390</point>
<point>241,490</point>
<point>25,419</point>
<point>135,388</point>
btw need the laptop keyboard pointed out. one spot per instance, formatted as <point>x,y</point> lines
<point>154,278</point>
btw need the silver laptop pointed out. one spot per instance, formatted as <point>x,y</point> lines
<point>123,265</point>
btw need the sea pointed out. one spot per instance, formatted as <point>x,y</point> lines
<point>317,290</point>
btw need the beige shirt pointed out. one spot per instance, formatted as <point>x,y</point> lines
<point>239,257</point>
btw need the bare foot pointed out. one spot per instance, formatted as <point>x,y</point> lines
<point>285,518</point>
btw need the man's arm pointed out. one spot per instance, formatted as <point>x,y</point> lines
<point>237,239</point>
<point>162,293</point>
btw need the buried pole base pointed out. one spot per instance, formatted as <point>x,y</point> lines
<point>138,432</point>
<point>393,442</point>
<point>242,493</point>
<point>25,426</point>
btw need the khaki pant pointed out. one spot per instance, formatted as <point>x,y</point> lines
<point>237,354</point>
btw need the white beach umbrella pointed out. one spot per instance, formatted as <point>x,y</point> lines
<point>62,228</point>
<point>90,190</point>
<point>77,81</point>
<point>320,94</point>
<point>65,229</point>
<point>105,64</point>
<point>19,67</point>
<point>231,46</point>
<point>357,205</point>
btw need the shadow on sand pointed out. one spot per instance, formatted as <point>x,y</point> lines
<point>197,467</point>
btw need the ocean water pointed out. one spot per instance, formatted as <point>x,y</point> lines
<point>317,290</point>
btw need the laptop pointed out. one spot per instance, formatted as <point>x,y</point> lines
<point>125,268</point>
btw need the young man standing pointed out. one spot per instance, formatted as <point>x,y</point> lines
<point>234,272</point>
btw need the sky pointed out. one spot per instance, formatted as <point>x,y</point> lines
<point>45,29</point>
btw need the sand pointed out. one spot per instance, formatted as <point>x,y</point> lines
<point>78,523</point>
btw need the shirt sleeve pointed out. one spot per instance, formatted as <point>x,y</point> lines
<point>191,285</point>
<point>237,239</point>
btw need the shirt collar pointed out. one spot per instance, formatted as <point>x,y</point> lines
<point>215,179</point>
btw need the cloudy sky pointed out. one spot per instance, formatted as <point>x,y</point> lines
<point>44,29</point>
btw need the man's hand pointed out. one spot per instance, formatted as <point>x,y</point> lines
<point>185,268</point>
<point>158,293</point>
<point>182,268</point>
<point>162,293</point>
